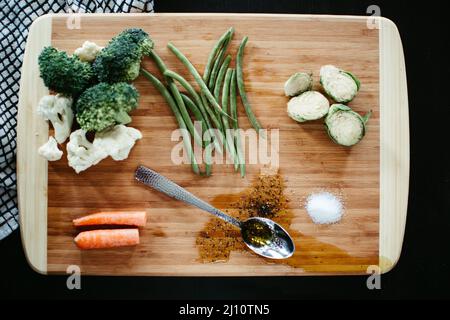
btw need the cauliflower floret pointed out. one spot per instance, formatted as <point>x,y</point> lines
<point>88,51</point>
<point>58,110</point>
<point>81,153</point>
<point>50,150</point>
<point>118,141</point>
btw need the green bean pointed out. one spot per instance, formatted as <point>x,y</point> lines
<point>198,115</point>
<point>179,100</point>
<point>159,62</point>
<point>240,82</point>
<point>225,99</point>
<point>220,78</point>
<point>218,63</point>
<point>195,111</point>
<point>185,84</point>
<point>197,77</point>
<point>214,52</point>
<point>218,141</point>
<point>211,115</point>
<point>185,114</point>
<point>186,137</point>
<point>233,113</point>
<point>217,122</point>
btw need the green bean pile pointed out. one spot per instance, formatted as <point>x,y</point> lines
<point>219,83</point>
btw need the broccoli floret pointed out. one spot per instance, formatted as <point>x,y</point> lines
<point>64,74</point>
<point>120,60</point>
<point>138,36</point>
<point>105,105</point>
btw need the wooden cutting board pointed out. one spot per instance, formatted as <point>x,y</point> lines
<point>372,177</point>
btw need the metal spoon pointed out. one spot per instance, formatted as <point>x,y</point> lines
<point>264,236</point>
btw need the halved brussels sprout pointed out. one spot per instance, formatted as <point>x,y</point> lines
<point>310,105</point>
<point>344,126</point>
<point>342,86</point>
<point>298,83</point>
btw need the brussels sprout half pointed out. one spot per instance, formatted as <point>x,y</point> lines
<point>344,126</point>
<point>310,105</point>
<point>298,83</point>
<point>342,86</point>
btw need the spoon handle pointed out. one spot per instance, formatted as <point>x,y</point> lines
<point>170,188</point>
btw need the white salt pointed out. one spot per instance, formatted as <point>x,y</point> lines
<point>324,208</point>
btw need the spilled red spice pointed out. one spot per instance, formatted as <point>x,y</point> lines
<point>265,198</point>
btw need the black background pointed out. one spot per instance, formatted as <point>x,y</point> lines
<point>424,268</point>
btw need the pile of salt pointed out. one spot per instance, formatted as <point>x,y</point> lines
<point>324,208</point>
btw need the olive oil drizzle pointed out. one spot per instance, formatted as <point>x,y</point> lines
<point>265,198</point>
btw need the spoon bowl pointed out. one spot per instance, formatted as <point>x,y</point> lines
<point>267,238</point>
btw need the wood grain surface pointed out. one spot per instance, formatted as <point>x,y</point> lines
<point>279,45</point>
<point>31,168</point>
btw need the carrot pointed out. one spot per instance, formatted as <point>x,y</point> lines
<point>132,218</point>
<point>102,239</point>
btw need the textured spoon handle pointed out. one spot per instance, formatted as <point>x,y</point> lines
<point>164,185</point>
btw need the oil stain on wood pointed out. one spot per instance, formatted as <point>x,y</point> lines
<point>266,198</point>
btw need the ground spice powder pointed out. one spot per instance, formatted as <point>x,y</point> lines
<point>265,198</point>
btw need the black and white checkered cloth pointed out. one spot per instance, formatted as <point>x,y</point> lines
<point>16,16</point>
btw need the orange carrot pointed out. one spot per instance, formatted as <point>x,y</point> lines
<point>102,239</point>
<point>131,218</point>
